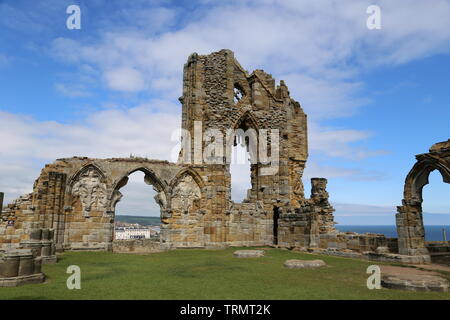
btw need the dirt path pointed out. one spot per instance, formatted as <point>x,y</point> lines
<point>437,267</point>
<point>403,271</point>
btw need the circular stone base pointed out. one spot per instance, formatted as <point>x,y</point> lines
<point>302,264</point>
<point>415,283</point>
<point>249,253</point>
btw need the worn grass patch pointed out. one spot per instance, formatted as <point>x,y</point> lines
<point>207,274</point>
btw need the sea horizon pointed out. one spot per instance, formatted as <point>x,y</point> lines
<point>432,232</point>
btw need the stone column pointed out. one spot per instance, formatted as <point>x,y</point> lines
<point>26,265</point>
<point>322,206</point>
<point>410,230</point>
<point>19,267</point>
<point>41,244</point>
<point>9,265</point>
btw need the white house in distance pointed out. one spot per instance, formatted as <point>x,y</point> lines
<point>126,233</point>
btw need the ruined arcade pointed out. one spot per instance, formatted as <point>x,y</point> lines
<point>72,206</point>
<point>75,198</point>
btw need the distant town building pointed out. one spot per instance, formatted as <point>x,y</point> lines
<point>136,232</point>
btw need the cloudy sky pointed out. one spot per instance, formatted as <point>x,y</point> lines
<point>375,98</point>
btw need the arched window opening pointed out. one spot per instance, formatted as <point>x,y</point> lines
<point>238,93</point>
<point>240,170</point>
<point>436,217</point>
<point>137,215</point>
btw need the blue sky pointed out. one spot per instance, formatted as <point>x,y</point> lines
<point>374,98</point>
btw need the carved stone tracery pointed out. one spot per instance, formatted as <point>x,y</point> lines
<point>185,193</point>
<point>91,191</point>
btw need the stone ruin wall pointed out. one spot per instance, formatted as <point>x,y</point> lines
<point>410,227</point>
<point>74,199</point>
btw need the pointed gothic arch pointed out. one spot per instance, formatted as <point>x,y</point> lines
<point>246,121</point>
<point>410,226</point>
<point>187,171</point>
<point>84,170</point>
<point>151,178</point>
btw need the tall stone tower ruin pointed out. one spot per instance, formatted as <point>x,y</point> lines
<point>218,94</point>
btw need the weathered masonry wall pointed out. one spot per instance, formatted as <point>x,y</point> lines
<point>75,198</point>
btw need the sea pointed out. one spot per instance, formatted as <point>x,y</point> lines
<point>432,233</point>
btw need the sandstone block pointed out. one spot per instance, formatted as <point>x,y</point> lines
<point>414,283</point>
<point>302,264</point>
<point>249,253</point>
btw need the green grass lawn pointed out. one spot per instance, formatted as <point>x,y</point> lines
<point>207,274</point>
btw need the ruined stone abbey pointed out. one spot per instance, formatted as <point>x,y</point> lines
<point>73,202</point>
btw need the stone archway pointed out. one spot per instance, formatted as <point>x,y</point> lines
<point>84,217</point>
<point>161,197</point>
<point>410,227</point>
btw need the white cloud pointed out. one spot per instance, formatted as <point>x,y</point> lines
<point>320,49</point>
<point>316,170</point>
<point>124,79</point>
<point>138,198</point>
<point>27,144</point>
<point>324,97</point>
<point>351,209</point>
<point>72,90</point>
<point>341,143</point>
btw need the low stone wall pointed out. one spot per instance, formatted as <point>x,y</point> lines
<point>440,247</point>
<point>137,246</point>
<point>357,242</point>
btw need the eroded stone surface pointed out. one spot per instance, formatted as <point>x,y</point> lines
<point>414,283</point>
<point>303,264</point>
<point>413,279</point>
<point>19,267</point>
<point>21,280</point>
<point>249,253</point>
<point>398,258</point>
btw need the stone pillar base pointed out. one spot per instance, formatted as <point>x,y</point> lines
<point>21,280</point>
<point>49,259</point>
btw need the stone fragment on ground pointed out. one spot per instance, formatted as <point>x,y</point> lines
<point>249,253</point>
<point>411,283</point>
<point>412,279</point>
<point>302,264</point>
